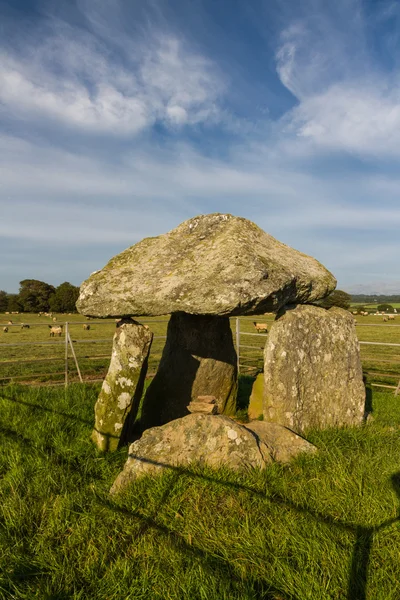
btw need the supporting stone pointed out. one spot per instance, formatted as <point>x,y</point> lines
<point>312,370</point>
<point>118,402</point>
<point>255,409</point>
<point>199,359</point>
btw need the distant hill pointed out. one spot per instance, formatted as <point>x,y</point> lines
<point>375,299</point>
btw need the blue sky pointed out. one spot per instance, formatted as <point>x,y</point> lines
<point>119,119</point>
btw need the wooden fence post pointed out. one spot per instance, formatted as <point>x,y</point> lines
<point>66,354</point>
<point>75,359</point>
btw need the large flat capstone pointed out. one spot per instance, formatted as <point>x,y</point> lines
<point>215,264</point>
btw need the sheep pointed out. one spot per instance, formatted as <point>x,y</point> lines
<point>391,317</point>
<point>384,319</point>
<point>54,319</point>
<point>5,329</point>
<point>25,326</point>
<point>55,330</point>
<point>86,326</point>
<point>9,323</point>
<point>261,327</point>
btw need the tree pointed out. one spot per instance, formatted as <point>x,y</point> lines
<point>337,298</point>
<point>35,295</point>
<point>3,301</point>
<point>64,298</point>
<point>385,308</point>
<point>14,303</point>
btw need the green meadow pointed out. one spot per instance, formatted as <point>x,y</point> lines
<point>43,362</point>
<point>322,527</point>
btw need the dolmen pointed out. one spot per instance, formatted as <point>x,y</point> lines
<point>208,269</point>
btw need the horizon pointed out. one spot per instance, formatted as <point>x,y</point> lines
<point>120,120</point>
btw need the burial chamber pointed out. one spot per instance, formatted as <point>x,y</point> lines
<point>204,271</point>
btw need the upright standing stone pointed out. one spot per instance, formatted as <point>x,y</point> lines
<point>255,409</point>
<point>122,389</point>
<point>199,359</point>
<point>312,370</point>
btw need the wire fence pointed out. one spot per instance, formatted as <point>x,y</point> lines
<point>67,357</point>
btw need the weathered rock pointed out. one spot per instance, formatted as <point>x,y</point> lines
<point>255,408</point>
<point>312,370</point>
<point>213,264</point>
<point>283,444</point>
<point>120,395</point>
<point>212,440</point>
<point>198,359</point>
<point>203,407</point>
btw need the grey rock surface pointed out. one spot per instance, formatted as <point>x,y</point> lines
<point>215,264</point>
<point>120,395</point>
<point>198,359</point>
<point>283,444</point>
<point>255,408</point>
<point>213,440</point>
<point>312,370</point>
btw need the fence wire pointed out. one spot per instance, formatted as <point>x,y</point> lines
<point>72,358</point>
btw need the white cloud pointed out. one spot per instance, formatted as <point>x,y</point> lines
<point>358,117</point>
<point>346,101</point>
<point>75,80</point>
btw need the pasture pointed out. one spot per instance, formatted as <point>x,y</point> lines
<point>323,527</point>
<point>43,362</point>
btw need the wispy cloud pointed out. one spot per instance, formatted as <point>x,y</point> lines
<point>73,78</point>
<point>346,102</point>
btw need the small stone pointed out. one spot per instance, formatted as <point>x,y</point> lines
<point>203,407</point>
<point>208,399</point>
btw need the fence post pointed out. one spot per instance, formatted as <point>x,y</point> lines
<point>238,343</point>
<point>66,354</point>
<point>397,392</point>
<point>75,359</point>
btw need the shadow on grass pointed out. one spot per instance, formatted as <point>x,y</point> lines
<point>216,565</point>
<point>50,410</point>
<point>263,590</point>
<point>51,451</point>
<point>357,584</point>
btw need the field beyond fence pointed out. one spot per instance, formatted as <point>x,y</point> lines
<point>29,355</point>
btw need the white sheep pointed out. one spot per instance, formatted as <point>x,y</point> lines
<point>55,330</point>
<point>261,326</point>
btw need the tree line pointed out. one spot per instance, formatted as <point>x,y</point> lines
<point>38,296</point>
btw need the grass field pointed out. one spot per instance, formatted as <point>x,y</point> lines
<point>23,362</point>
<point>325,527</point>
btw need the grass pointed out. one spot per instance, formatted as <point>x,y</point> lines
<point>323,527</point>
<point>41,363</point>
